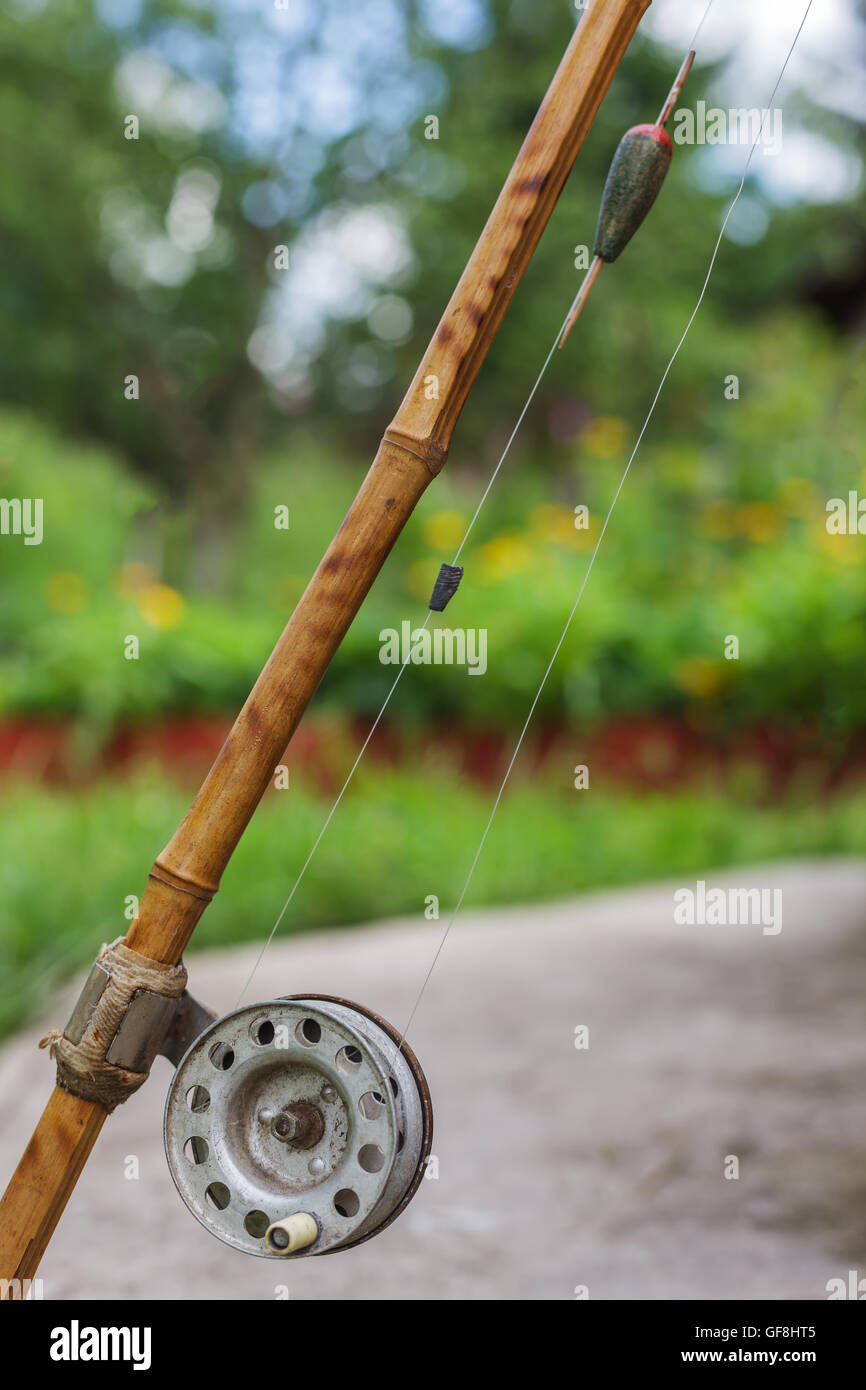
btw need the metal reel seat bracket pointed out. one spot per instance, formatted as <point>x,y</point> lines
<point>130,1010</point>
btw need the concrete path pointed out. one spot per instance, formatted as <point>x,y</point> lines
<point>557,1167</point>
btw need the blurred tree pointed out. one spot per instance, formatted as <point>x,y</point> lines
<point>119,263</point>
<point>305,126</point>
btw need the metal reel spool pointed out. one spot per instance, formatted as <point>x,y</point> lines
<point>297,1126</point>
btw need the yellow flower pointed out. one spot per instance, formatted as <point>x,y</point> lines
<point>420,578</point>
<point>799,497</point>
<point>65,592</point>
<point>699,676</point>
<point>605,436</point>
<point>131,579</point>
<point>553,522</point>
<point>844,549</point>
<point>718,520</point>
<point>758,520</point>
<point>444,530</point>
<point>160,606</point>
<point>584,537</point>
<point>506,555</point>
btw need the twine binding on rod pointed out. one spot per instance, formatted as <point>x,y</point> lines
<point>82,1068</point>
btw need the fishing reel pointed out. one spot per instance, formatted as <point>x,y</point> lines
<point>298,1126</point>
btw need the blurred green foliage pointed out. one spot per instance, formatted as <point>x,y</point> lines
<point>722,535</point>
<point>261,128</point>
<point>159,512</point>
<point>154,257</point>
<point>387,851</point>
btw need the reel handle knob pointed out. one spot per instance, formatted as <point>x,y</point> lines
<point>295,1232</point>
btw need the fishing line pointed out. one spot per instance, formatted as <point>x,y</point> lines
<point>520,418</point>
<point>38,1190</point>
<point>601,535</point>
<point>697,32</point>
<point>459,551</point>
<point>484,496</point>
<point>403,665</point>
<point>297,883</point>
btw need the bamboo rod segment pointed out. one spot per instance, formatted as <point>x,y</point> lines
<point>187,873</point>
<point>44,1180</point>
<point>413,450</point>
<point>514,227</point>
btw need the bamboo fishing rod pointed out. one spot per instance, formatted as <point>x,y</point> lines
<point>414,448</point>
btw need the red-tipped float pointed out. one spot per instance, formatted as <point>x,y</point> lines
<point>633,183</point>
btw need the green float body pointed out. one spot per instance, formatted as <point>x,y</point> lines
<point>632,186</point>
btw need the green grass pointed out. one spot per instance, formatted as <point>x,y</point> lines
<point>69,861</point>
